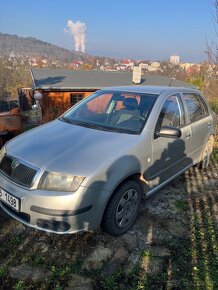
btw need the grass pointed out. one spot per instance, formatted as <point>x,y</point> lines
<point>11,245</point>
<point>182,205</point>
<point>113,282</point>
<point>3,271</point>
<point>20,285</point>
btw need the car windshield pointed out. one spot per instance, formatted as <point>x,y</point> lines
<point>115,111</point>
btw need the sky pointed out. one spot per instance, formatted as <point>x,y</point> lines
<point>140,29</point>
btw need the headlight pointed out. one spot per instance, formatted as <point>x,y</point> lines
<point>59,182</point>
<point>2,153</point>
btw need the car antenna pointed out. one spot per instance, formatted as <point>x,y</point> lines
<point>172,79</point>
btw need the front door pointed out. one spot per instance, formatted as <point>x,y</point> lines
<point>170,156</point>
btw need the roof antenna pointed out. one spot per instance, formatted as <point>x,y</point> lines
<point>172,79</point>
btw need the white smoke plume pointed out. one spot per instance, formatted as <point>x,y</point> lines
<point>78,31</point>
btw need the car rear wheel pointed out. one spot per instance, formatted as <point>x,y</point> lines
<point>206,154</point>
<point>122,209</point>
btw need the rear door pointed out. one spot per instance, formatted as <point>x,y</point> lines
<point>200,123</point>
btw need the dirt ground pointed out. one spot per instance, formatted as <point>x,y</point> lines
<point>173,245</point>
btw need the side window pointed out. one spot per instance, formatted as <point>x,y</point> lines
<point>172,113</point>
<point>196,106</point>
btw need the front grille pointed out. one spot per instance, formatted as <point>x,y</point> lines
<point>20,173</point>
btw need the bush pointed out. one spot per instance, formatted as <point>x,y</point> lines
<point>214,105</point>
<point>197,81</point>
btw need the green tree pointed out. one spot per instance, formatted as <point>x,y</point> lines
<point>11,78</point>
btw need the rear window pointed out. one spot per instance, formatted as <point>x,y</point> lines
<point>196,106</point>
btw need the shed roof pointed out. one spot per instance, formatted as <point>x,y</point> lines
<point>60,79</point>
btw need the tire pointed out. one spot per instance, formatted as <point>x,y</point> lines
<point>122,209</point>
<point>206,154</point>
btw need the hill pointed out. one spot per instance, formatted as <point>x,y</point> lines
<point>30,46</point>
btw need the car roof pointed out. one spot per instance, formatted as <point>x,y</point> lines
<point>149,89</point>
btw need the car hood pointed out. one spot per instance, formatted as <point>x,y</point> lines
<point>61,147</point>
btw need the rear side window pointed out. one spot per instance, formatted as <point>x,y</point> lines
<point>196,107</point>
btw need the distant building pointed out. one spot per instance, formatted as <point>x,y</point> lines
<point>33,61</point>
<point>109,68</point>
<point>128,63</point>
<point>143,65</point>
<point>187,65</point>
<point>174,59</point>
<point>12,55</point>
<point>75,64</point>
<point>44,62</point>
<point>154,66</point>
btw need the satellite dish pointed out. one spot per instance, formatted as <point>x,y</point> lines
<point>38,96</point>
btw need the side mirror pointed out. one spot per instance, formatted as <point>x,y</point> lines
<point>168,132</point>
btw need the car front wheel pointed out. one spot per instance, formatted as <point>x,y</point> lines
<point>122,209</point>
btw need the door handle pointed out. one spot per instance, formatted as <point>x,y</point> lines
<point>188,135</point>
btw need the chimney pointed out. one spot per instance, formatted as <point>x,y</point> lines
<point>137,74</point>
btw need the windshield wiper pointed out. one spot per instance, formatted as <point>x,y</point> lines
<point>97,126</point>
<point>94,126</point>
<point>66,120</point>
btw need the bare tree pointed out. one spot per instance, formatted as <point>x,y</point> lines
<point>210,86</point>
<point>212,48</point>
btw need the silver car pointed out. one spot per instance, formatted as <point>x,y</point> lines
<point>90,167</point>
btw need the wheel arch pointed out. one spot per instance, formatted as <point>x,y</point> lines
<point>137,176</point>
<point>211,140</point>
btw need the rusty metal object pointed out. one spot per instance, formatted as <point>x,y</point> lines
<point>11,121</point>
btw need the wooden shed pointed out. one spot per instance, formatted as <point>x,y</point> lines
<point>62,89</point>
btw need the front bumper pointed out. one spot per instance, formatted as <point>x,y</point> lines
<point>57,212</point>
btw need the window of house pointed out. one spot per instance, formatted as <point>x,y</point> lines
<point>196,107</point>
<point>75,98</point>
<point>172,113</point>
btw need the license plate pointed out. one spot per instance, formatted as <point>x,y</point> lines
<point>10,200</point>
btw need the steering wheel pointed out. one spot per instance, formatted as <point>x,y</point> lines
<point>140,117</point>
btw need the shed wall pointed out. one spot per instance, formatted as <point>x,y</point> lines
<point>56,103</point>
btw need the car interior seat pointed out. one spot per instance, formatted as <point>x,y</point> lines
<point>130,110</point>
